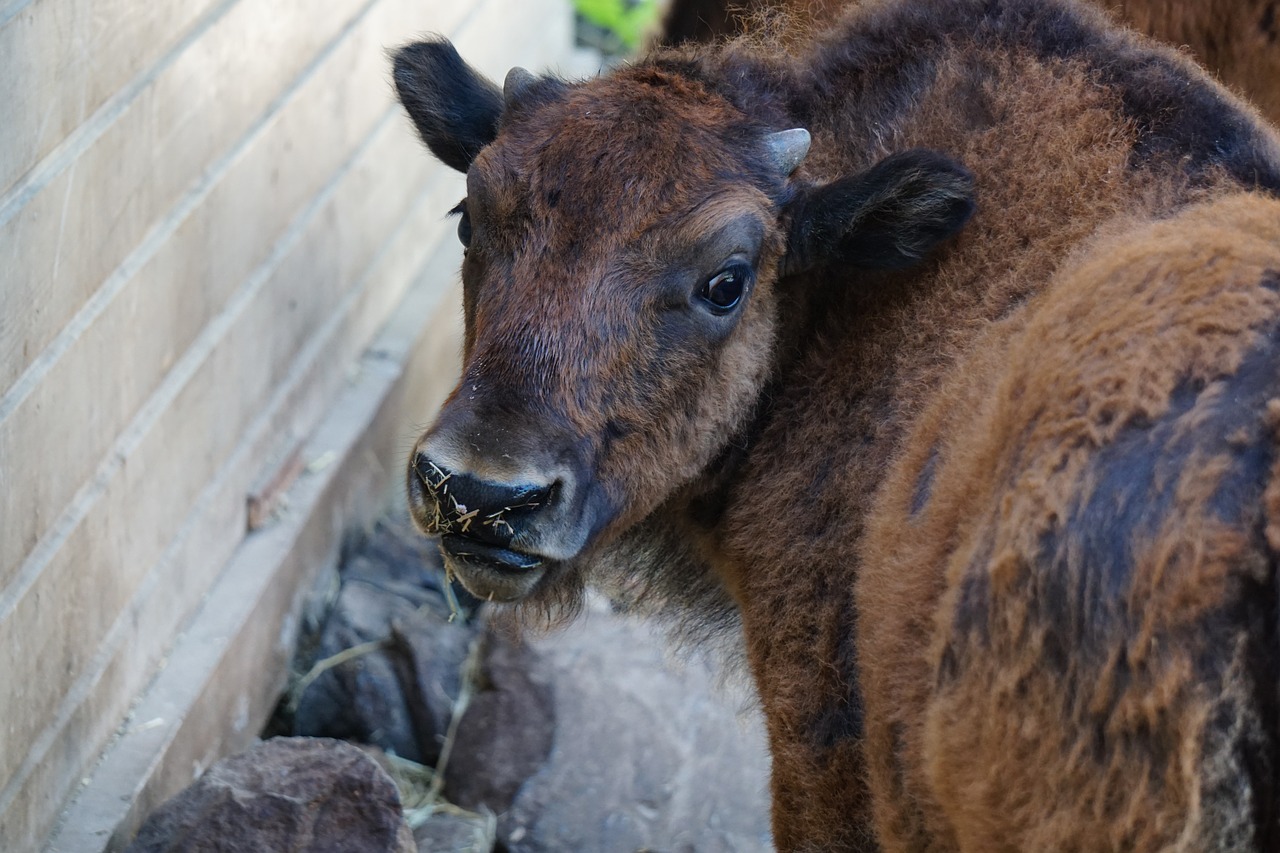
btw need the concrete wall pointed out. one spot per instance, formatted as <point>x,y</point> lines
<point>208,211</point>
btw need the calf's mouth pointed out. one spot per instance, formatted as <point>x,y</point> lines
<point>490,571</point>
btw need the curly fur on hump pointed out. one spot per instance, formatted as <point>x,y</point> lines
<point>1239,40</point>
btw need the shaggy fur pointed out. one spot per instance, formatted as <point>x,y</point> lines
<point>1000,529</point>
<point>1101,665</point>
<point>1239,40</point>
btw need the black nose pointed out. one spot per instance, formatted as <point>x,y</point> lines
<point>477,508</point>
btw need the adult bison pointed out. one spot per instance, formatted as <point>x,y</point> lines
<point>999,519</point>
<point>1239,40</point>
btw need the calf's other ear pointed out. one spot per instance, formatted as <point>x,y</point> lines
<point>454,107</point>
<point>889,217</point>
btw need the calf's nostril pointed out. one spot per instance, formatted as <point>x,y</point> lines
<point>431,475</point>
<point>481,509</point>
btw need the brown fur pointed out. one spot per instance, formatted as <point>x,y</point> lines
<point>1000,530</point>
<point>1239,40</point>
<point>1079,730</point>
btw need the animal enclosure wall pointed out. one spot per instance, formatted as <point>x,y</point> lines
<point>209,211</point>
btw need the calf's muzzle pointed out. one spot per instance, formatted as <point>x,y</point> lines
<point>461,504</point>
<point>492,532</point>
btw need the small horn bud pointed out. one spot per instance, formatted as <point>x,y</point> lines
<point>518,80</point>
<point>787,148</point>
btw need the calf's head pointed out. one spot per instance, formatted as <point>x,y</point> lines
<point>627,244</point>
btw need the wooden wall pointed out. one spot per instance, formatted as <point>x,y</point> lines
<point>208,209</point>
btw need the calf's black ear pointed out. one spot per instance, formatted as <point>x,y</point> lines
<point>454,107</point>
<point>886,218</point>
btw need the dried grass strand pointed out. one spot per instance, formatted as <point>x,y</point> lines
<point>320,667</point>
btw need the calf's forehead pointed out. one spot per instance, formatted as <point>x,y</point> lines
<point>616,156</point>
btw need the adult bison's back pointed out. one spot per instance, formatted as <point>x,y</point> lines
<point>989,496</point>
<point>1238,40</point>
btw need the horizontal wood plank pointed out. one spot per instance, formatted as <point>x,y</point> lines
<point>210,533</point>
<point>231,662</point>
<point>186,432</point>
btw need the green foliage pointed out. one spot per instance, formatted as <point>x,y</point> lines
<point>629,20</point>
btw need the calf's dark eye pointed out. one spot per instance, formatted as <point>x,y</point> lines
<point>464,222</point>
<point>464,229</point>
<point>723,291</point>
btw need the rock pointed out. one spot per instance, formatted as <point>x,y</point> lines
<point>400,696</point>
<point>283,795</point>
<point>436,824</point>
<point>646,752</point>
<point>506,733</point>
<point>455,833</point>
<point>591,738</point>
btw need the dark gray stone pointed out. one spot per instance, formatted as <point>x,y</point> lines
<point>399,697</point>
<point>286,795</point>
<point>591,738</point>
<point>454,833</point>
<point>506,733</point>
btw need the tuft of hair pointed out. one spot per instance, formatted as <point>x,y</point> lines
<point>774,29</point>
<point>554,603</point>
<point>774,26</point>
<point>664,583</point>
